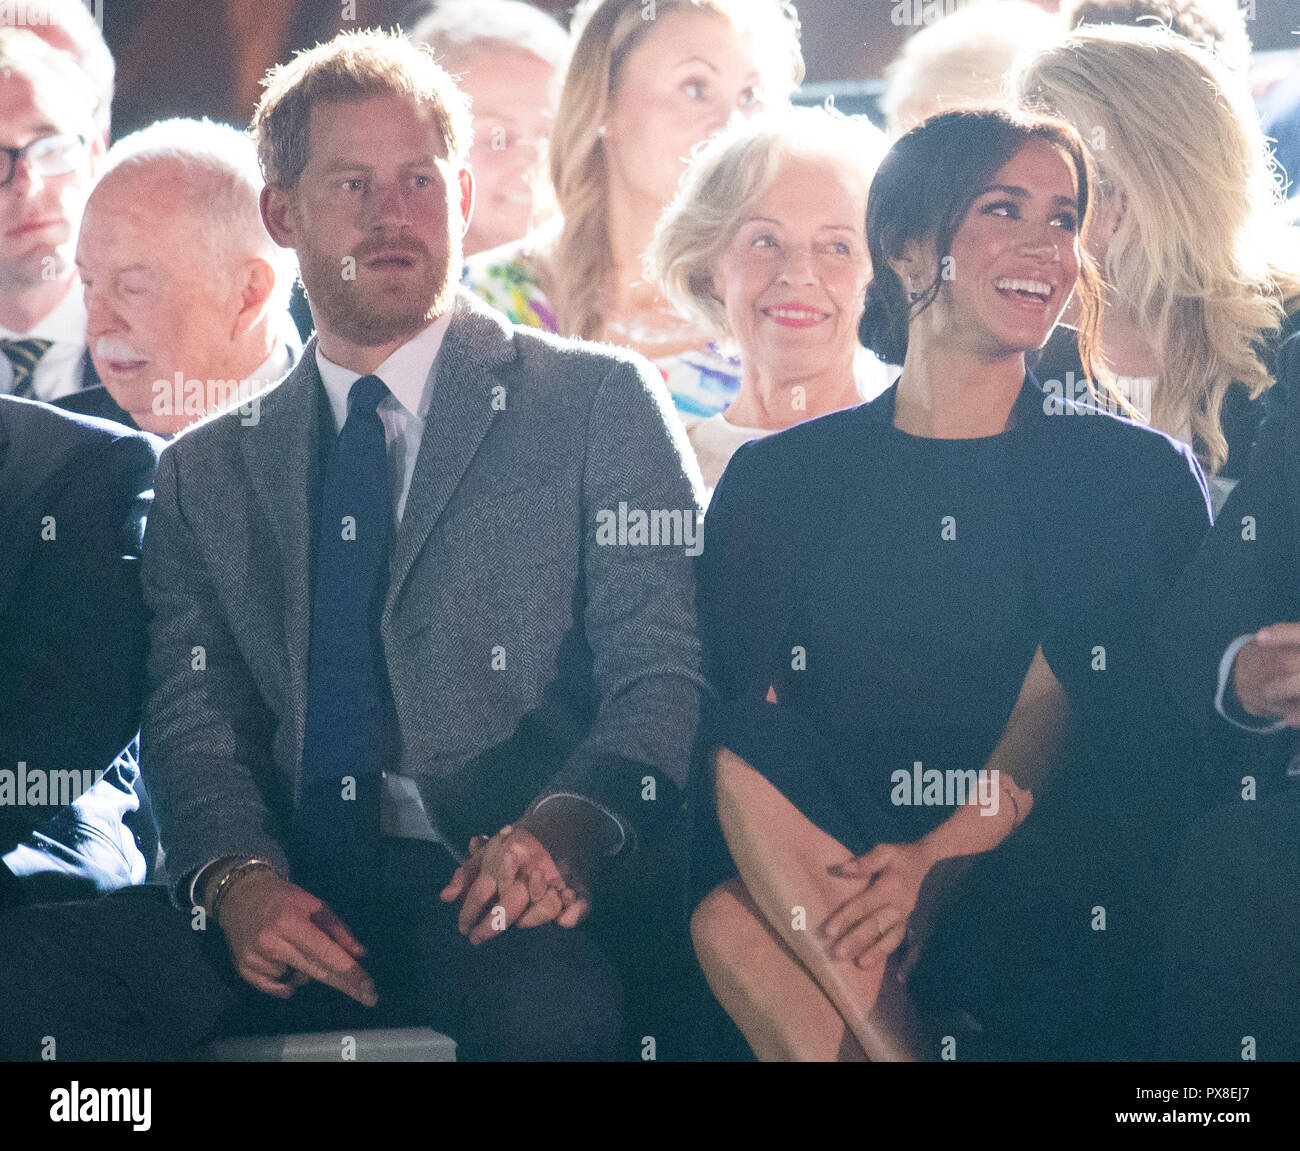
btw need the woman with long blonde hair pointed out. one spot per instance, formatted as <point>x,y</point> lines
<point>645,86</point>
<point>1201,277</point>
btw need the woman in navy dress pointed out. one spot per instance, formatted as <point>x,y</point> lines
<point>916,612</point>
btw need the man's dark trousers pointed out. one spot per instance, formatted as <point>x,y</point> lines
<point>128,978</point>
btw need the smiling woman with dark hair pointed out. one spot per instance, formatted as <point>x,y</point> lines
<point>930,632</point>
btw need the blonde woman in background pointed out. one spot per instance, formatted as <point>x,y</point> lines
<point>962,59</point>
<point>639,96</point>
<point>766,247</point>
<point>1219,26</point>
<point>1202,279</point>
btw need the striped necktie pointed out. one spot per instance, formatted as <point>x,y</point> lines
<point>24,355</point>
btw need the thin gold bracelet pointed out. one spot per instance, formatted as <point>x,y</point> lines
<point>223,887</point>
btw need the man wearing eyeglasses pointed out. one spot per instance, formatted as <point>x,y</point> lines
<point>50,153</point>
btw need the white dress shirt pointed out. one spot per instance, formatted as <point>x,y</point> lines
<point>59,372</point>
<point>1228,707</point>
<point>409,373</point>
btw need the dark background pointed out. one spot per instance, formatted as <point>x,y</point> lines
<point>182,57</point>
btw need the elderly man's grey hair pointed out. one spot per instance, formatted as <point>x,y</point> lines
<point>456,29</point>
<point>726,178</point>
<point>223,184</point>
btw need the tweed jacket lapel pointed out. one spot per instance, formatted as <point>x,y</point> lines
<point>282,454</point>
<point>478,342</point>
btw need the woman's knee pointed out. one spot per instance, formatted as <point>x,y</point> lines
<point>723,924</point>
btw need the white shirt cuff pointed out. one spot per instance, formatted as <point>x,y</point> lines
<point>1225,705</point>
<point>194,880</point>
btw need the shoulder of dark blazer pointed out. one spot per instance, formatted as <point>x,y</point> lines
<point>1241,417</point>
<point>51,460</point>
<point>50,438</point>
<point>1277,447</point>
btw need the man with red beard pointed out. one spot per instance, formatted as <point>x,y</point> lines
<point>385,626</point>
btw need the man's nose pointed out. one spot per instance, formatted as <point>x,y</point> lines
<point>388,204</point>
<point>101,316</point>
<point>25,179</point>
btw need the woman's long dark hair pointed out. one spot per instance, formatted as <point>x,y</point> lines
<point>922,191</point>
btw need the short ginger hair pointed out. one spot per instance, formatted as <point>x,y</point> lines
<point>353,66</point>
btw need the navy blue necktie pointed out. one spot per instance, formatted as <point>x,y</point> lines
<point>349,705</point>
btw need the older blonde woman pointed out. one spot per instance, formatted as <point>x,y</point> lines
<point>766,247</point>
<point>640,94</point>
<point>1201,277</point>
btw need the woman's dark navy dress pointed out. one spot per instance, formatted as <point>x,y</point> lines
<point>892,591</point>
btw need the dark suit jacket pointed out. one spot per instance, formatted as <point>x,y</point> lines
<point>72,631</point>
<point>1246,575</point>
<point>1233,920</point>
<point>528,439</point>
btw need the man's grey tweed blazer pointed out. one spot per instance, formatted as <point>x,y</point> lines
<point>526,657</point>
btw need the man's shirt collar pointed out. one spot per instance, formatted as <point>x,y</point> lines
<point>408,372</point>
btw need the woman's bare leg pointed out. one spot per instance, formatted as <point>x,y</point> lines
<point>769,994</point>
<point>783,858</point>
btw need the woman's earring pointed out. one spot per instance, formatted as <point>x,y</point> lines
<point>912,294</point>
<point>601,130</point>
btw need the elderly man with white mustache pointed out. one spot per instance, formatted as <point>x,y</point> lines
<point>186,294</point>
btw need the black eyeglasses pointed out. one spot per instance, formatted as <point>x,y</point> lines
<point>48,156</point>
